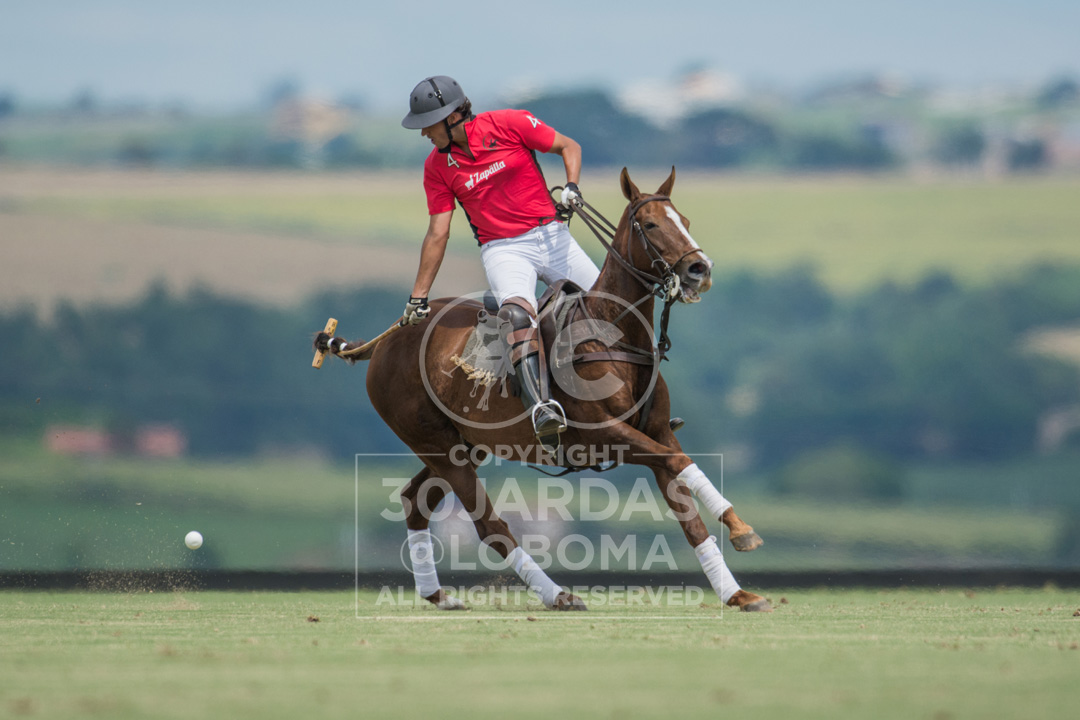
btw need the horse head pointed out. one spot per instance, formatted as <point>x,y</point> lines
<point>658,241</point>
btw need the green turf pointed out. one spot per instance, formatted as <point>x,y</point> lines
<point>857,232</point>
<point>822,654</point>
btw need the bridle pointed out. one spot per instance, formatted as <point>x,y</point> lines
<point>664,284</point>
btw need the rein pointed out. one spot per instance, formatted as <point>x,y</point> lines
<point>664,285</point>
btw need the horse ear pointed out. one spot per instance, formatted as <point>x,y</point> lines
<point>629,189</point>
<point>665,189</point>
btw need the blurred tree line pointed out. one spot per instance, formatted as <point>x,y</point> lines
<point>932,372</point>
<point>773,367</point>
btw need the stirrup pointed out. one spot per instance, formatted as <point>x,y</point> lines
<point>676,423</point>
<point>553,407</point>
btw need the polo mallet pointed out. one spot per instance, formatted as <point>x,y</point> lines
<point>320,355</point>
<point>345,351</point>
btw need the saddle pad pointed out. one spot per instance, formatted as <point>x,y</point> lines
<point>486,357</point>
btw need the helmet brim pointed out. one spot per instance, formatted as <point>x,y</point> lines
<point>419,121</point>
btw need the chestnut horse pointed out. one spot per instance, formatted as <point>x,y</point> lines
<point>413,385</point>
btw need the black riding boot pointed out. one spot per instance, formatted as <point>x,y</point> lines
<point>548,418</point>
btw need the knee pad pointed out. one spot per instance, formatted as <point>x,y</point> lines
<point>521,335</point>
<point>517,312</point>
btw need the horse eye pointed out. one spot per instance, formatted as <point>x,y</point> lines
<point>649,226</point>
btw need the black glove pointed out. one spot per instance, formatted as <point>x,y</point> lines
<point>415,311</point>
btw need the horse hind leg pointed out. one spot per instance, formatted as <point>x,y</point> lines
<point>495,533</point>
<point>420,497</point>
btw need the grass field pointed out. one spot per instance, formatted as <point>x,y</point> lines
<point>105,234</point>
<point>822,654</point>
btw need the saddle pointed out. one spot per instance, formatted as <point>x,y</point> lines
<point>482,359</point>
<point>564,325</point>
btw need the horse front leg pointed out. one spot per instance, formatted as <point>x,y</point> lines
<point>742,536</point>
<point>662,451</point>
<point>676,476</point>
<point>666,453</point>
<point>677,494</point>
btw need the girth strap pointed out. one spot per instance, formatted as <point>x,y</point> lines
<point>614,356</point>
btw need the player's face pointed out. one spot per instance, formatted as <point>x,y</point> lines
<point>437,134</point>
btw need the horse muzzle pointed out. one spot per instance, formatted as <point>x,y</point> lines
<point>695,277</point>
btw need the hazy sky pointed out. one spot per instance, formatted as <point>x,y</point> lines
<point>225,54</point>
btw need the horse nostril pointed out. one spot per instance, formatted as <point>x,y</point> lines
<point>698,269</point>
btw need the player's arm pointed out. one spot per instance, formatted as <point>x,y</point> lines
<point>571,157</point>
<point>570,152</point>
<point>432,252</point>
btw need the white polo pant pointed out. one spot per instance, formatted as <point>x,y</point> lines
<point>548,253</point>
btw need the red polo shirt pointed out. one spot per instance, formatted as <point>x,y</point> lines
<point>502,190</point>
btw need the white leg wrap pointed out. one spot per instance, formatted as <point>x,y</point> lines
<point>703,488</point>
<point>535,578</point>
<point>422,557</point>
<point>712,562</point>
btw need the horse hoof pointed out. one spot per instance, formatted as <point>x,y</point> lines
<point>565,602</point>
<point>450,603</point>
<point>749,602</point>
<point>747,541</point>
<point>442,601</point>
<point>761,605</point>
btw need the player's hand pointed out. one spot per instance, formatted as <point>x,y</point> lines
<point>415,311</point>
<point>571,196</point>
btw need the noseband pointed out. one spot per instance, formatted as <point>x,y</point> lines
<point>666,286</point>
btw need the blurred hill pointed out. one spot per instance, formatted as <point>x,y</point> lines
<point>701,119</point>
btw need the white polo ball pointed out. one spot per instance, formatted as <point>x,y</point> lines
<point>193,540</point>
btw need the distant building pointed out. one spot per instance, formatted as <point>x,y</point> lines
<point>308,121</point>
<point>75,440</point>
<point>160,441</point>
<point>153,441</point>
<point>1063,146</point>
<point>666,102</point>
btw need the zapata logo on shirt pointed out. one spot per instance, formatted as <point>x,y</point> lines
<point>489,142</point>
